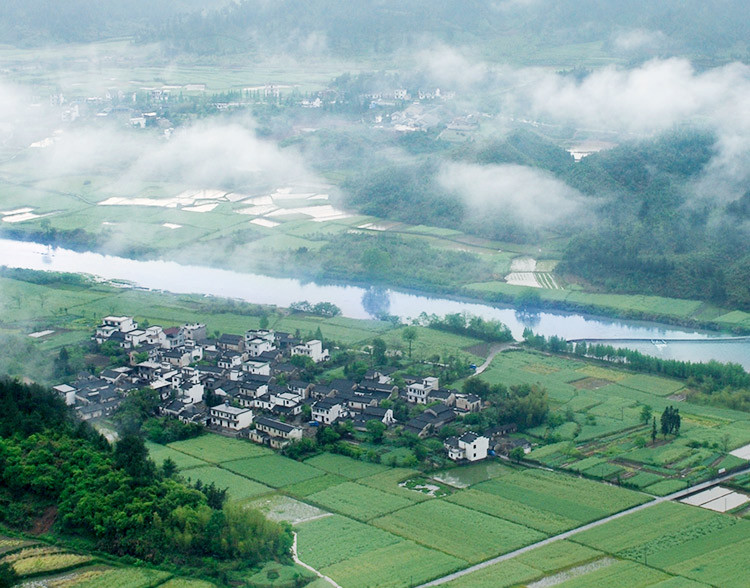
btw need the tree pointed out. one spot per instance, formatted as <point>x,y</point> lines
<point>646,414</point>
<point>517,454</point>
<point>378,351</point>
<point>409,334</point>
<point>377,430</point>
<point>653,431</point>
<point>131,456</point>
<point>8,576</point>
<point>168,468</point>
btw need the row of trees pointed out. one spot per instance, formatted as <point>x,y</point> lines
<point>722,383</point>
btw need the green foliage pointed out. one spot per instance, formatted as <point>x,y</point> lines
<point>116,499</point>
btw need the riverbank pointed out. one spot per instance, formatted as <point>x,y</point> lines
<point>689,314</point>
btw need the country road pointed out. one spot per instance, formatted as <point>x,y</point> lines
<point>566,534</point>
<point>494,350</point>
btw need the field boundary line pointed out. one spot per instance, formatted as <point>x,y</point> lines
<point>586,527</point>
<point>309,567</point>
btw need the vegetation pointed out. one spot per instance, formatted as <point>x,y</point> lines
<point>117,499</point>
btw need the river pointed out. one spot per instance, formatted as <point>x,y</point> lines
<point>691,345</point>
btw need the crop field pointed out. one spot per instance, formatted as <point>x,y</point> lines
<point>9,544</point>
<point>238,487</point>
<point>389,480</point>
<point>513,510</point>
<point>680,540</point>
<point>569,497</point>
<point>161,452</point>
<point>123,578</point>
<point>328,540</point>
<point>529,566</point>
<point>399,565</point>
<point>360,502</point>
<point>40,564</point>
<point>475,473</point>
<point>474,536</point>
<point>273,470</point>
<point>218,449</point>
<point>345,466</point>
<point>313,485</point>
<point>186,583</point>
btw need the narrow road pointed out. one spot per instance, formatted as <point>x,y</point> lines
<point>567,534</point>
<point>494,350</point>
<point>312,569</point>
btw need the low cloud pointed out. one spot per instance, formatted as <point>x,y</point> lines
<point>639,40</point>
<point>529,197</point>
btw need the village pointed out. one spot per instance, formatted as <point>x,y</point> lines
<point>250,386</point>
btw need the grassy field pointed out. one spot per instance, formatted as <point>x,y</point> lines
<point>345,466</point>
<point>566,496</point>
<point>329,540</point>
<point>161,452</point>
<point>359,502</point>
<point>273,470</point>
<point>474,536</point>
<point>395,566</point>
<point>238,487</point>
<point>528,566</point>
<point>218,449</point>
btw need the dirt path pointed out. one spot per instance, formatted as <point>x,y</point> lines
<point>494,350</point>
<point>567,534</point>
<point>312,569</point>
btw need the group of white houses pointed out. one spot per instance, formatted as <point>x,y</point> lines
<point>242,371</point>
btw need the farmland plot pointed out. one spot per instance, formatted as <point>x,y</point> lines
<point>313,485</point>
<point>573,498</point>
<point>218,449</point>
<point>395,566</point>
<point>529,566</point>
<point>326,541</point>
<point>273,470</point>
<point>514,511</point>
<point>238,487</point>
<point>123,578</point>
<point>345,466</point>
<point>360,502</point>
<point>473,536</point>
<point>183,461</point>
<point>49,563</point>
<point>389,480</point>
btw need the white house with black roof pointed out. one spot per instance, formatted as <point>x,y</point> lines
<point>274,432</point>
<point>328,410</point>
<point>467,447</point>
<point>230,417</point>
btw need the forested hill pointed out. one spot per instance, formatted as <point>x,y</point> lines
<point>710,28</point>
<point>116,499</point>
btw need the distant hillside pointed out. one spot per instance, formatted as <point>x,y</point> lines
<point>712,29</point>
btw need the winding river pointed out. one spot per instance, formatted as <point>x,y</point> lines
<point>652,338</point>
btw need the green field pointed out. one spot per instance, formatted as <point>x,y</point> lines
<point>313,485</point>
<point>273,470</point>
<point>218,449</point>
<point>513,510</point>
<point>238,487</point>
<point>474,536</point>
<point>395,566</point>
<point>345,466</point>
<point>565,496</point>
<point>388,481</point>
<point>529,566</point>
<point>161,452</point>
<point>121,578</point>
<point>328,540</point>
<point>360,502</point>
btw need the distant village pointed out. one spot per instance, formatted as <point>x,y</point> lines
<point>249,386</point>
